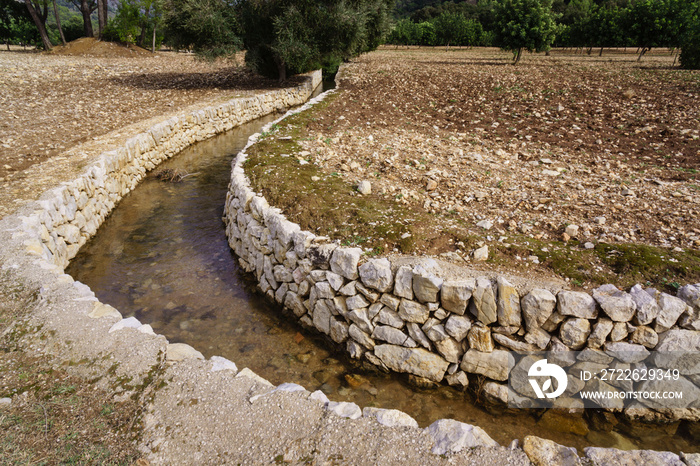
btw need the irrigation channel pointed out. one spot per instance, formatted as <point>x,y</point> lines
<point>162,256</point>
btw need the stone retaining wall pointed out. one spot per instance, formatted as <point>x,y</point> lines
<point>408,318</point>
<point>69,215</point>
<point>305,272</point>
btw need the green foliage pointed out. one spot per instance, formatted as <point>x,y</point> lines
<point>294,36</point>
<point>16,25</point>
<point>134,23</point>
<point>209,27</point>
<point>524,24</point>
<point>690,37</point>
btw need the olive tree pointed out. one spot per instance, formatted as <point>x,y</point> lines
<point>524,24</point>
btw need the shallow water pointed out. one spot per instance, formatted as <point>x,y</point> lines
<point>162,256</point>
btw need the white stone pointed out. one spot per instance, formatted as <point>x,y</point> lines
<point>390,417</point>
<point>537,306</point>
<point>411,311</point>
<point>344,262</point>
<point>455,295</point>
<point>670,309</point>
<point>180,352</point>
<point>403,282</point>
<point>481,254</point>
<point>647,308</point>
<point>457,327</point>
<point>101,310</point>
<point>344,409</point>
<point>364,187</point>
<point>605,456</point>
<point>426,285</point>
<point>415,361</point>
<point>452,436</point>
<point>576,304</point>
<point>376,274</point>
<point>219,363</point>
<point>131,322</point>
<point>617,304</point>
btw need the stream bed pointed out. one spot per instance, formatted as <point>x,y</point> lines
<point>162,256</point>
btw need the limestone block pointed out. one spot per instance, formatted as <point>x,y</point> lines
<point>494,365</point>
<point>411,311</point>
<point>452,436</point>
<point>457,326</point>
<point>574,332</point>
<point>576,304</point>
<point>617,304</point>
<point>403,282</point>
<point>455,295</point>
<point>344,262</point>
<point>483,302</point>
<point>376,274</point>
<point>537,306</point>
<point>507,304</point>
<point>647,308</point>
<point>415,361</point>
<point>426,286</point>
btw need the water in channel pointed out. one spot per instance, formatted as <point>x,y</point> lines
<point>162,256</point>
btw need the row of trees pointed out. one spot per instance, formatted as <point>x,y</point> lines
<point>536,25</point>
<point>48,22</point>
<point>280,37</point>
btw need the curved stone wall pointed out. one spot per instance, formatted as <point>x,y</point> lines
<point>365,304</point>
<point>418,320</point>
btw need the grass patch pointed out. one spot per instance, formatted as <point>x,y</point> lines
<point>327,204</point>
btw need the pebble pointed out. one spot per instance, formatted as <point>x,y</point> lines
<point>589,245</point>
<point>364,188</point>
<point>481,254</point>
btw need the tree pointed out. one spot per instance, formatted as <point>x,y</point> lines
<point>209,27</point>
<point>39,10</point>
<point>86,8</point>
<point>654,23</point>
<point>58,23</point>
<point>15,21</point>
<point>690,36</point>
<point>450,28</point>
<point>294,36</point>
<point>524,24</point>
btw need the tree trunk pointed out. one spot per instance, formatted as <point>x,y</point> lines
<point>144,27</point>
<point>153,45</point>
<point>644,50</point>
<point>101,17</point>
<point>87,22</point>
<point>281,69</point>
<point>58,23</point>
<point>39,25</point>
<point>518,54</point>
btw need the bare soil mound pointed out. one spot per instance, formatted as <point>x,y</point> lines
<point>91,47</point>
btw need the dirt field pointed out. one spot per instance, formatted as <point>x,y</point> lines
<point>485,153</point>
<point>51,102</point>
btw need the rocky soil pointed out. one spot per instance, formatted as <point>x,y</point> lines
<point>560,155</point>
<point>54,107</point>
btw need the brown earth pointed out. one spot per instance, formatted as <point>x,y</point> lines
<point>90,47</point>
<point>58,110</point>
<point>461,137</point>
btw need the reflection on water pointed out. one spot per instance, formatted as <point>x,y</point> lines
<point>162,256</point>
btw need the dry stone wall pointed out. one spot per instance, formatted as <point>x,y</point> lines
<point>70,214</point>
<point>403,318</point>
<point>412,319</point>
